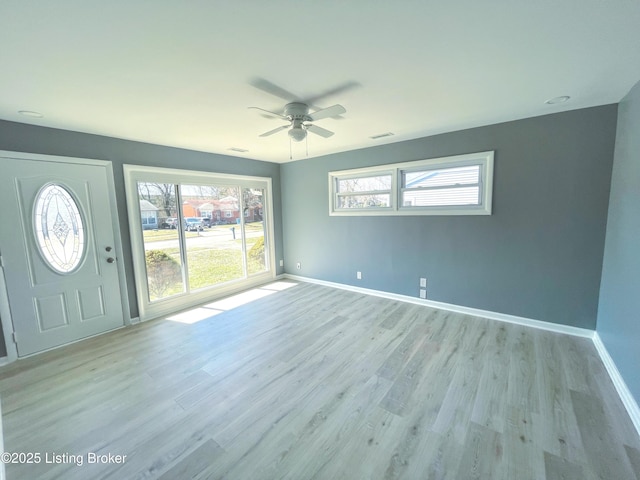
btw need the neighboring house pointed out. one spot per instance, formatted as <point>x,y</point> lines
<point>228,209</point>
<point>253,213</point>
<point>193,207</point>
<point>455,186</point>
<point>149,215</point>
<point>190,209</point>
<point>225,210</point>
<point>206,210</point>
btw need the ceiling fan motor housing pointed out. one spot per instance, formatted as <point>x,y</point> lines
<point>297,111</point>
<point>297,114</point>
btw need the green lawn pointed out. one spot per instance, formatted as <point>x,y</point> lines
<point>209,266</point>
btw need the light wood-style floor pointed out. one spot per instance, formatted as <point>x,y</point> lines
<point>311,382</point>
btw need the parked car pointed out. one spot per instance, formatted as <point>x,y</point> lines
<point>170,222</point>
<point>193,224</point>
<point>206,221</point>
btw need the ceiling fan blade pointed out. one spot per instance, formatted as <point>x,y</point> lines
<point>269,113</point>
<point>333,91</point>
<point>323,132</point>
<point>267,86</point>
<point>332,111</point>
<point>275,130</point>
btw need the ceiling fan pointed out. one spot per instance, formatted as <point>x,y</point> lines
<point>299,118</point>
<point>297,111</point>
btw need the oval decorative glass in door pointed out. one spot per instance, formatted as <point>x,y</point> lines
<point>59,228</point>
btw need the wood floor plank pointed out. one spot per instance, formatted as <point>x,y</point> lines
<point>324,432</point>
<point>557,468</point>
<point>437,457</point>
<point>633,454</point>
<point>333,377</point>
<point>483,454</point>
<point>555,422</point>
<point>523,454</point>
<point>615,412</point>
<point>414,384</point>
<point>195,463</point>
<point>310,382</point>
<point>360,456</point>
<point>454,414</point>
<point>399,358</point>
<point>605,453</point>
<point>390,314</point>
<point>522,388</point>
<point>578,374</point>
<point>490,404</point>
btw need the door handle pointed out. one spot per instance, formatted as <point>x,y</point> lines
<point>111,260</point>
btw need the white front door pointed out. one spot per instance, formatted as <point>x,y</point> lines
<point>58,256</point>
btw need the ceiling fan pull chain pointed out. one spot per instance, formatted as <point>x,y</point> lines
<point>306,143</point>
<point>290,154</point>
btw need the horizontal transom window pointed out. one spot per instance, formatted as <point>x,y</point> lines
<point>441,187</point>
<point>364,192</point>
<point>459,185</point>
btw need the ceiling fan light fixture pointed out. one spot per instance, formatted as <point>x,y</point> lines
<point>297,134</point>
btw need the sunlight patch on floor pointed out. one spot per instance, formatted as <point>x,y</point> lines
<point>279,286</point>
<point>209,310</point>
<point>239,299</point>
<point>194,315</point>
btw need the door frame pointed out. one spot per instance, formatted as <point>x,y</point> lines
<point>5,311</point>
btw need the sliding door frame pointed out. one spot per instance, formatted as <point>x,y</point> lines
<point>136,173</point>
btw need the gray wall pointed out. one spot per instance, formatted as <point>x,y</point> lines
<point>538,256</point>
<point>26,138</point>
<point>619,310</point>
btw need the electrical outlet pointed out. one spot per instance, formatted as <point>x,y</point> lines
<point>282,263</point>
<point>298,265</point>
<point>423,293</point>
<point>423,283</point>
<point>359,275</point>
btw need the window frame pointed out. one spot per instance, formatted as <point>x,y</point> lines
<point>372,172</point>
<point>484,159</point>
<point>154,309</point>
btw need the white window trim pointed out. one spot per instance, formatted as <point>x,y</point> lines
<point>484,159</point>
<point>134,173</point>
<point>373,172</point>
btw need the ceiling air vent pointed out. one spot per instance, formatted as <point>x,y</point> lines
<point>239,150</point>
<point>380,135</point>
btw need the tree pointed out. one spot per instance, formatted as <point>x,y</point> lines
<point>161,195</point>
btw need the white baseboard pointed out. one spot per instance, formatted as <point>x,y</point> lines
<point>621,387</point>
<point>502,317</point>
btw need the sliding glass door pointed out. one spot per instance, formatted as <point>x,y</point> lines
<point>196,235</point>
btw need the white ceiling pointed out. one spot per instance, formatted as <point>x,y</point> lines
<point>180,73</point>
